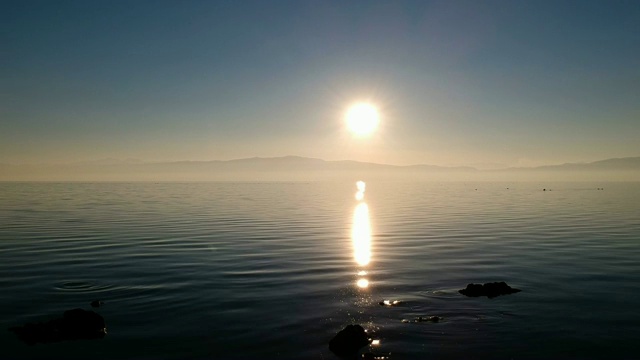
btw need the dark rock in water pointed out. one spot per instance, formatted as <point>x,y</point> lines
<point>489,290</point>
<point>96,303</point>
<point>75,324</point>
<point>348,341</point>
<point>433,319</point>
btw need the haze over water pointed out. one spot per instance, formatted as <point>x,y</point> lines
<point>274,270</point>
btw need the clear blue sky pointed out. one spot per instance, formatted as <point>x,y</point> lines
<point>457,82</point>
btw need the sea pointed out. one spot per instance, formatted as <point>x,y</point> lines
<point>274,270</point>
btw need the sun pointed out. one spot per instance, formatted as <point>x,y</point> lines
<point>362,119</point>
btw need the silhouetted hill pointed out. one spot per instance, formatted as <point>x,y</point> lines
<point>619,169</point>
<point>307,169</point>
<point>622,164</point>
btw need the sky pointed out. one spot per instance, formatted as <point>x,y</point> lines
<point>477,83</point>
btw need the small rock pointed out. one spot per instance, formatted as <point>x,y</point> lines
<point>96,303</point>
<point>433,319</point>
<point>349,340</point>
<point>75,324</point>
<point>489,290</point>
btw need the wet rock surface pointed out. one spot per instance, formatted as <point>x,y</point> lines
<point>489,290</point>
<point>348,341</point>
<point>75,324</point>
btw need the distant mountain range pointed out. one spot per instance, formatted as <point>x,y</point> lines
<point>308,169</point>
<point>623,164</point>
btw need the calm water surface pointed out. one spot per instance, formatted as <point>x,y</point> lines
<point>274,270</point>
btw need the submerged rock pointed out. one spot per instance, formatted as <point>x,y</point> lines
<point>349,340</point>
<point>489,290</point>
<point>75,324</point>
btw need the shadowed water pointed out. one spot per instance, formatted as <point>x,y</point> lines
<point>274,270</point>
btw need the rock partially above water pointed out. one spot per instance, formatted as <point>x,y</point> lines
<point>96,303</point>
<point>433,319</point>
<point>349,340</point>
<point>489,290</point>
<point>75,324</point>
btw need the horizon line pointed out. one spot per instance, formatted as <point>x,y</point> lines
<point>134,161</point>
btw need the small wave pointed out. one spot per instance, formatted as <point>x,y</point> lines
<point>89,287</point>
<point>81,286</point>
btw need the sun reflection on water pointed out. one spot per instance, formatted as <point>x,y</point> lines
<point>361,235</point>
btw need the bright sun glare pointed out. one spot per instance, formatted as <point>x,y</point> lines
<point>362,119</point>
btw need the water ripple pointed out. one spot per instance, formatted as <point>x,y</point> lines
<point>82,286</point>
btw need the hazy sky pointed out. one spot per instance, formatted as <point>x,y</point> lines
<point>457,82</point>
